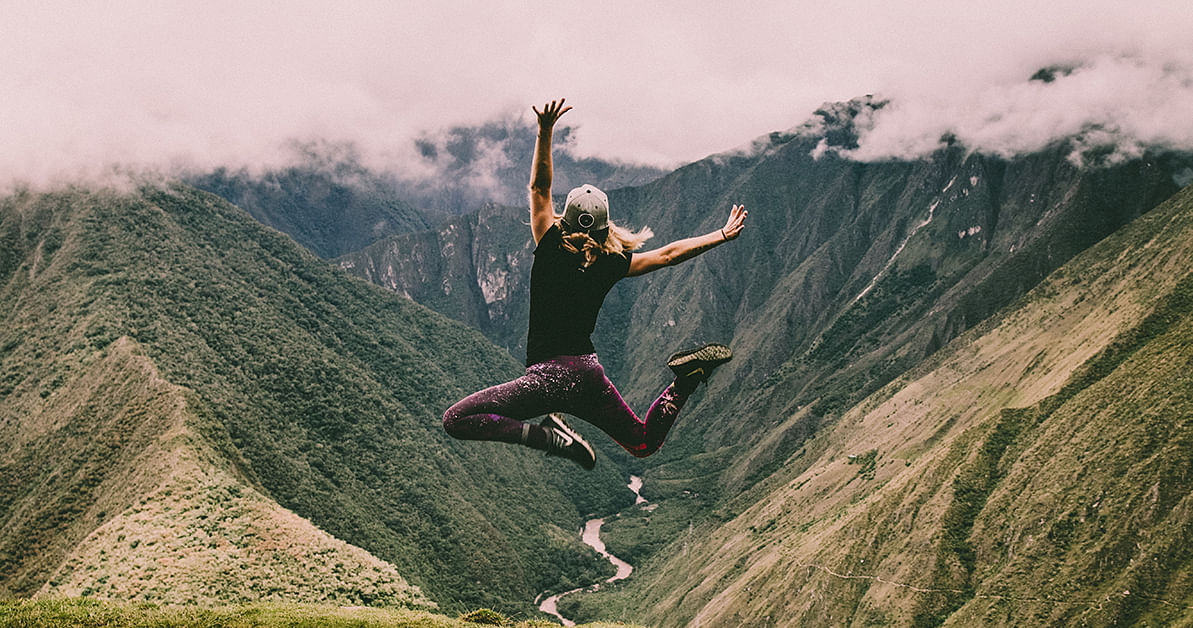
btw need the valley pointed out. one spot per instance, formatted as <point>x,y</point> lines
<point>960,394</point>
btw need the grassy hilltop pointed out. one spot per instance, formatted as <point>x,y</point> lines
<point>92,614</point>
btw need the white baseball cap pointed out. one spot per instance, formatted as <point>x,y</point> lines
<point>586,211</point>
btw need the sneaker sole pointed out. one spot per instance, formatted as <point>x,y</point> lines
<point>708,356</point>
<point>554,422</point>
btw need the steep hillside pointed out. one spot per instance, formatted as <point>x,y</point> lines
<point>849,276</point>
<point>197,533</point>
<point>850,273</point>
<point>1036,471</point>
<point>176,379</point>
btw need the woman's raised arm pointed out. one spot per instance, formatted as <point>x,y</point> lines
<point>541,173</point>
<point>681,250</point>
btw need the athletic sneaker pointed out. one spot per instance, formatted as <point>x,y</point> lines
<point>697,364</point>
<point>564,442</point>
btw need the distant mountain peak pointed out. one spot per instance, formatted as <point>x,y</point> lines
<point>839,122</point>
<point>1050,73</point>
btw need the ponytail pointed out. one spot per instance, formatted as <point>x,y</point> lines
<point>617,241</point>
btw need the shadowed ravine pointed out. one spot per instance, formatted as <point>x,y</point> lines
<point>591,535</point>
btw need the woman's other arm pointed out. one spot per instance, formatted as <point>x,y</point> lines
<point>686,249</point>
<point>541,213</point>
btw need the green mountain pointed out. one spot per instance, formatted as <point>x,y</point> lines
<point>851,273</point>
<point>959,398</point>
<point>850,278</point>
<point>186,394</point>
<point>1035,471</point>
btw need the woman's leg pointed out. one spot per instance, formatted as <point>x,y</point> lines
<point>499,413</point>
<point>602,405</point>
<point>576,385</point>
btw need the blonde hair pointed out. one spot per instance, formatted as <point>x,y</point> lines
<point>618,241</point>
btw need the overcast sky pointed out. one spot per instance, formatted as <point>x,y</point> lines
<point>87,84</point>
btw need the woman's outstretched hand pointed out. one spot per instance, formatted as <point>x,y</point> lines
<point>550,113</point>
<point>736,222</point>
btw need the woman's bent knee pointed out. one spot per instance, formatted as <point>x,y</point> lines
<point>451,423</point>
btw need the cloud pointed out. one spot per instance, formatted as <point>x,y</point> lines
<point>169,85</point>
<point>1125,103</point>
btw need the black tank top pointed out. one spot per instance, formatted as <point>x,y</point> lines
<point>565,297</point>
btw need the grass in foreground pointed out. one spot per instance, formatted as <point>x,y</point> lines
<point>101,614</point>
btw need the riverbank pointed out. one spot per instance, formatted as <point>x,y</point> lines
<point>591,536</point>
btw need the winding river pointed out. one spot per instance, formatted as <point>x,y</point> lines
<point>592,537</point>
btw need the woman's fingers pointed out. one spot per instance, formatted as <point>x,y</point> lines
<point>551,111</point>
<point>736,222</point>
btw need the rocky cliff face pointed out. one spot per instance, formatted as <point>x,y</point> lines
<point>474,268</point>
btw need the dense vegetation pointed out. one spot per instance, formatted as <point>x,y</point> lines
<point>954,403</point>
<point>321,392</point>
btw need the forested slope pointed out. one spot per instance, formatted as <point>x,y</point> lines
<point>143,327</point>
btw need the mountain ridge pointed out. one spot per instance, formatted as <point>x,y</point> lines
<point>918,346</point>
<point>229,533</point>
<point>333,204</point>
<point>317,391</point>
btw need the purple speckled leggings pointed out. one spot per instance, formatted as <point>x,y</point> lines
<point>574,384</point>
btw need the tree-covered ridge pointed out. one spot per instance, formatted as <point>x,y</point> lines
<point>322,392</point>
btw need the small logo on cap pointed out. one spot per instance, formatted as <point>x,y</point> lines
<point>586,220</point>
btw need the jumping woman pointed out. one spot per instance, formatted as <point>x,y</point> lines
<point>579,256</point>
